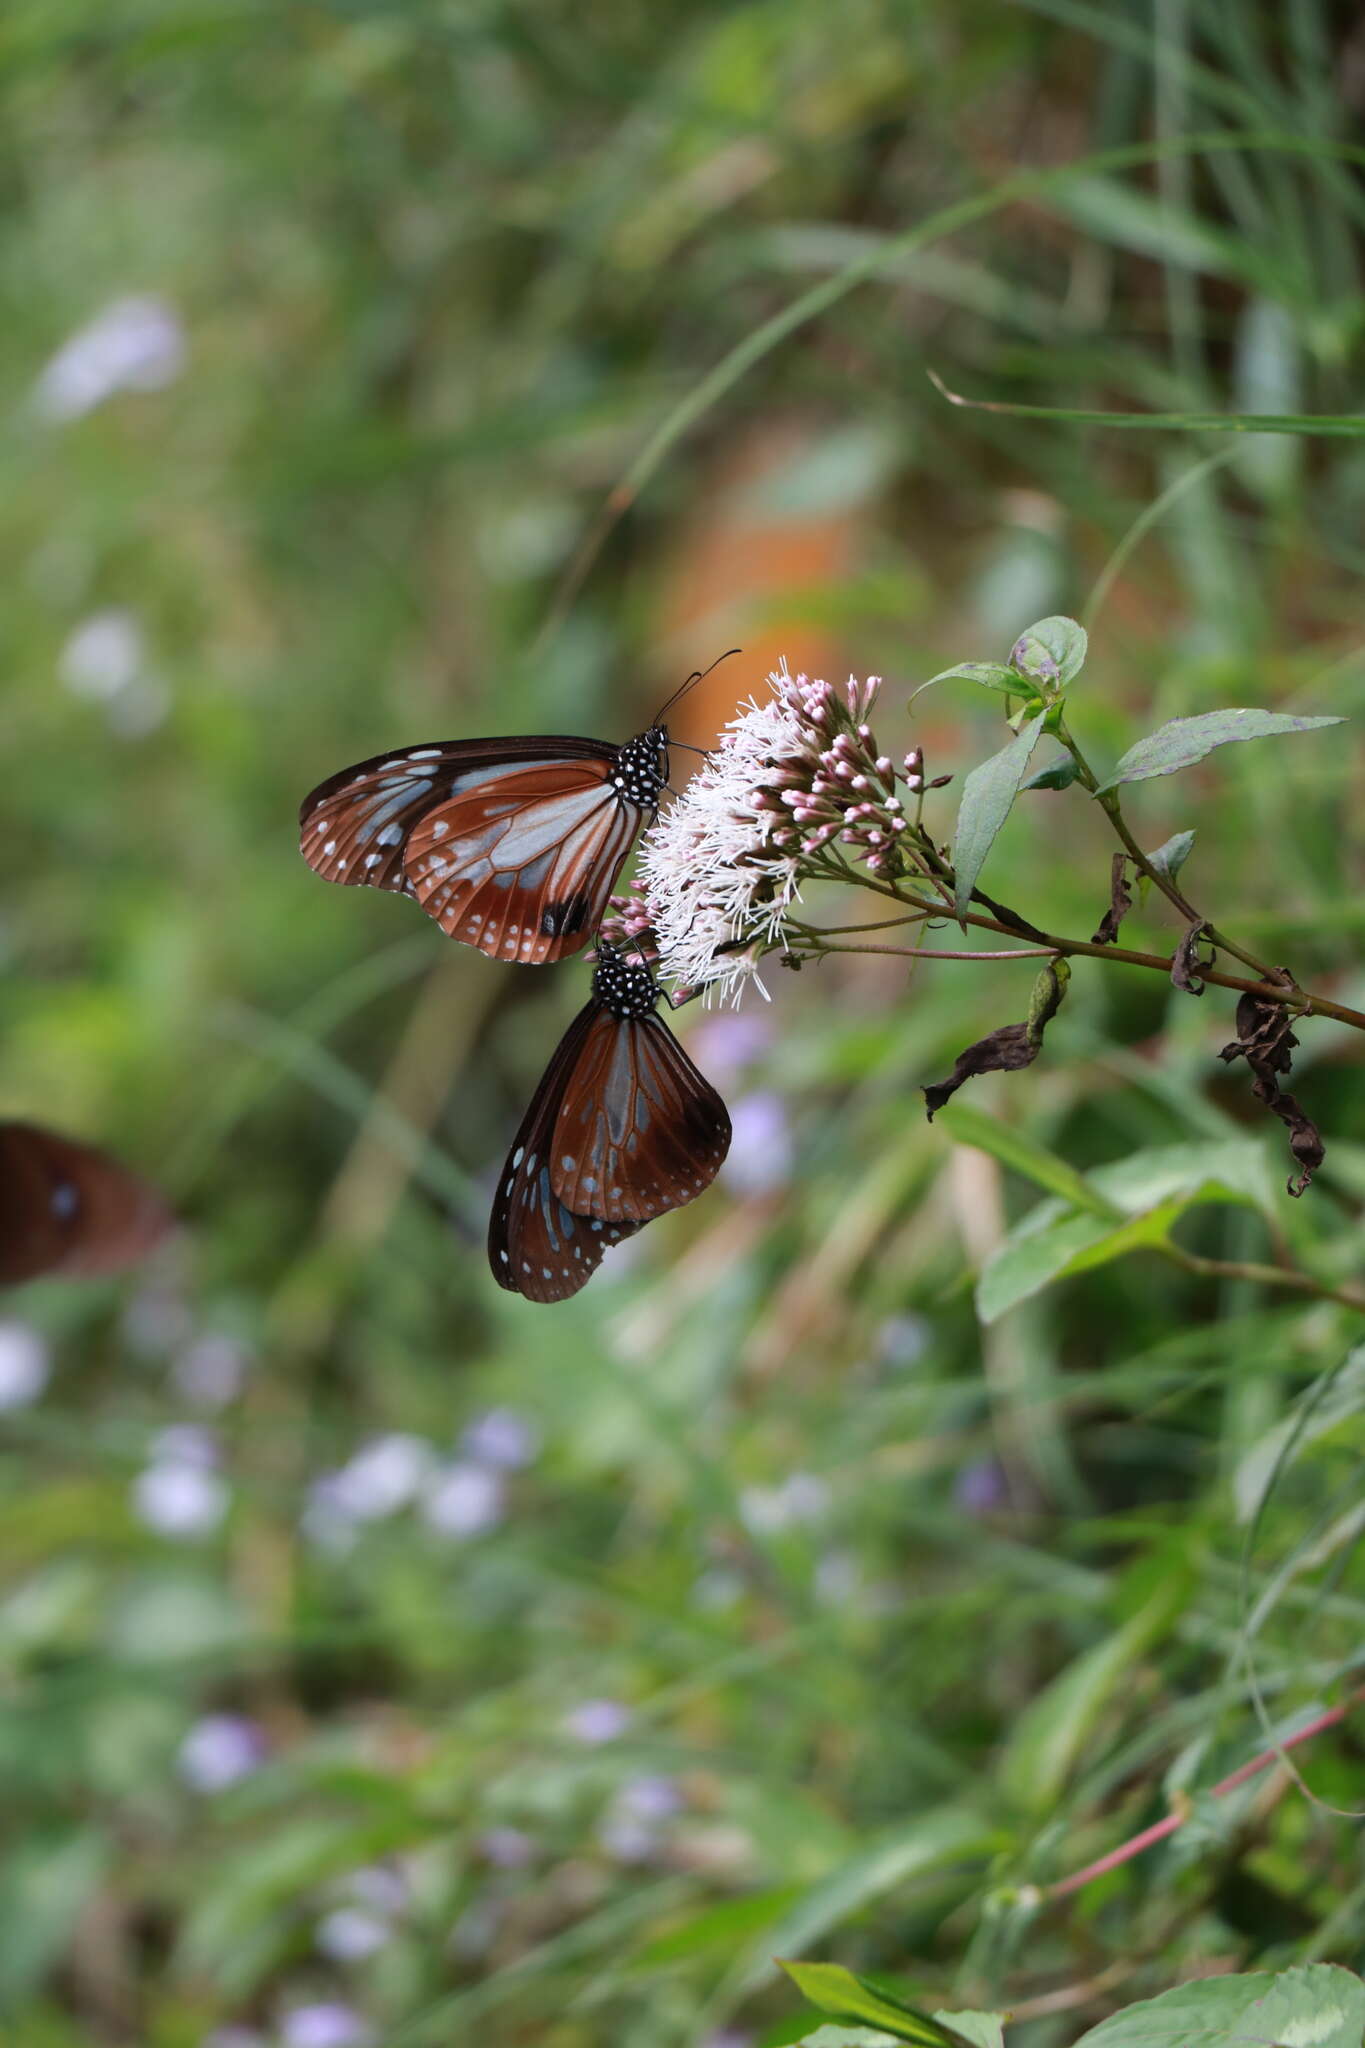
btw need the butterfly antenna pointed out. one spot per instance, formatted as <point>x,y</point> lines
<point>696,676</point>
<point>687,748</point>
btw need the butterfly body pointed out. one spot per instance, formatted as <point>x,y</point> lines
<point>513,846</point>
<point>621,1129</point>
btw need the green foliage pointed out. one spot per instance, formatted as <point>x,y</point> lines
<point>533,355</point>
<point>1187,740</point>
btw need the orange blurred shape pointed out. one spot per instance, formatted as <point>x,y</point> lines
<point>742,574</point>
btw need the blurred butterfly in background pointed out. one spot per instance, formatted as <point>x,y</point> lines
<point>70,1210</point>
<point>621,1129</point>
<point>512,845</point>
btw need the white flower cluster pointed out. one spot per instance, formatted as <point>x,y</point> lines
<point>721,869</point>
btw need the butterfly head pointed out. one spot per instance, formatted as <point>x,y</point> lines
<point>624,987</point>
<point>642,768</point>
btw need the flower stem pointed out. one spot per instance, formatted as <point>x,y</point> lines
<point>1109,802</point>
<point>1135,1845</point>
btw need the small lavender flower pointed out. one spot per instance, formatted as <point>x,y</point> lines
<point>759,1161</point>
<point>331,2025</point>
<point>628,1841</point>
<point>463,1500</point>
<point>501,1438</point>
<point>597,1721</point>
<point>384,1475</point>
<point>103,656</point>
<point>981,1488</point>
<point>349,1935</point>
<point>376,1886</point>
<point>135,344</point>
<point>802,1497</point>
<point>210,1371</point>
<point>219,1751</point>
<point>726,1043</point>
<point>25,1365</point>
<point>903,1340</point>
<point>728,2037</point>
<point>180,1499</point>
<point>650,1798</point>
<point>507,1848</point>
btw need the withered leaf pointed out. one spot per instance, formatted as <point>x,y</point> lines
<point>1120,903</point>
<point>1012,1046</point>
<point>1187,964</point>
<point>1266,1042</point>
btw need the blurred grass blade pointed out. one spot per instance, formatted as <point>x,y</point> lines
<point>1335,426</point>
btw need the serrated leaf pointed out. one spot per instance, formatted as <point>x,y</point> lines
<point>1059,774</point>
<point>987,796</point>
<point>1318,2006</point>
<point>1051,1732</point>
<point>1313,1415</point>
<point>1171,856</point>
<point>1051,652</point>
<point>832,1989</point>
<point>1184,741</point>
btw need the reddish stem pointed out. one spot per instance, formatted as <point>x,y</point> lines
<point>1135,1845</point>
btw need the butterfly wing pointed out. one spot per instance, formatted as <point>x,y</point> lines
<point>536,1246</point>
<point>639,1131</point>
<point>354,828</point>
<point>70,1210</point>
<point>520,860</point>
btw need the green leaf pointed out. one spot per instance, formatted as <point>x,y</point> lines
<point>991,675</point>
<point>1171,856</point>
<point>983,2029</point>
<point>832,1989</point>
<point>969,1126</point>
<point>938,1838</point>
<point>1053,1729</point>
<point>1317,1412</point>
<point>1331,426</point>
<point>987,795</point>
<point>1186,740</point>
<point>1131,1205</point>
<point>1318,2006</point>
<point>1051,652</point>
<point>45,1886</point>
<point>1058,774</point>
<point>847,2037</point>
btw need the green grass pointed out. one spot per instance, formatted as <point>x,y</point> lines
<point>449,279</point>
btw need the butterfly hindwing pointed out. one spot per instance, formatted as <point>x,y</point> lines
<point>639,1130</point>
<point>521,864</point>
<point>536,1246</point>
<point>70,1210</point>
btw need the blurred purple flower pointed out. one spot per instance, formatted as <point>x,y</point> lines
<point>376,1886</point>
<point>25,1365</point>
<point>134,344</point>
<point>507,1848</point>
<point>476,1929</point>
<point>384,1475</point>
<point>837,1577</point>
<point>981,1488</point>
<point>210,1371</point>
<point>727,1042</point>
<point>180,1498</point>
<point>597,1721</point>
<point>904,1339</point>
<point>463,1500</point>
<point>649,1798</point>
<point>185,1443</point>
<point>802,1497</point>
<point>219,1751</point>
<point>501,1438</point>
<point>728,2037</point>
<point>760,1157</point>
<point>348,1934</point>
<point>103,655</point>
<point>627,1841</point>
<point>325,2026</point>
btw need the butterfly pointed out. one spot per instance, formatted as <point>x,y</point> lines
<point>512,845</point>
<point>70,1210</point>
<point>621,1128</point>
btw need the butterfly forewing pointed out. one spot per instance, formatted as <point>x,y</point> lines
<point>70,1210</point>
<point>521,865</point>
<point>511,845</point>
<point>639,1130</point>
<point>536,1246</point>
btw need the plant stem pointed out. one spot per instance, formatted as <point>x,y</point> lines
<point>930,953</point>
<point>1113,809</point>
<point>1262,1275</point>
<point>1270,992</point>
<point>1135,1845</point>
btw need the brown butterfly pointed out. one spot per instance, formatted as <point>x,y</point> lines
<point>70,1210</point>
